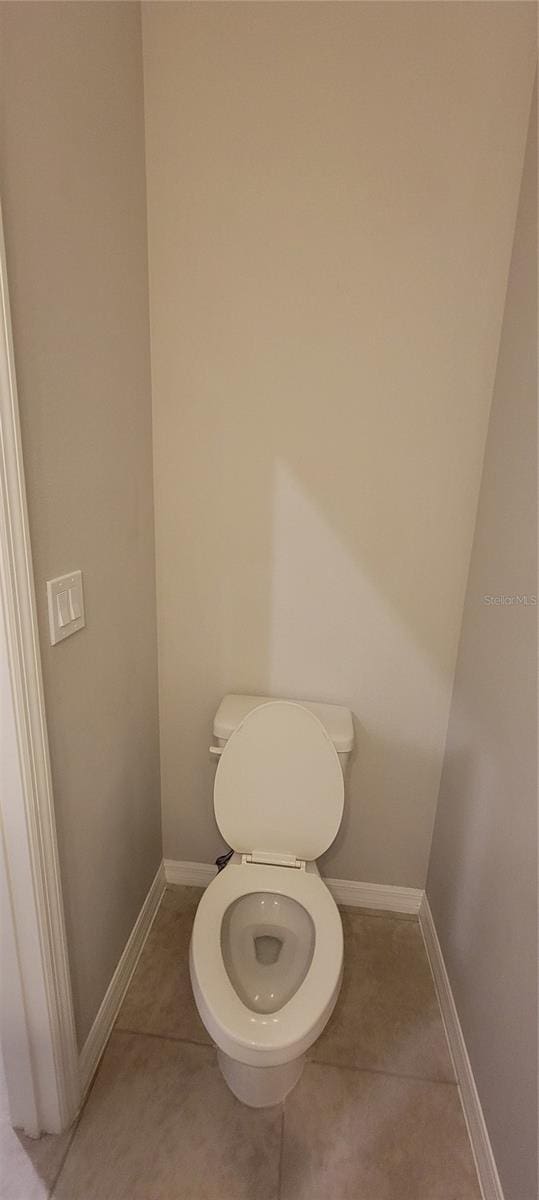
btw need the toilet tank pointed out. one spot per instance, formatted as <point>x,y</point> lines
<point>335,719</point>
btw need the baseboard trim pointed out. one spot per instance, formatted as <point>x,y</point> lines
<point>344,891</point>
<point>191,874</point>
<point>489,1179</point>
<point>99,1034</point>
<point>375,895</point>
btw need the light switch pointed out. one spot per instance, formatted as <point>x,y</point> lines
<point>66,606</point>
<point>74,604</point>
<point>62,609</point>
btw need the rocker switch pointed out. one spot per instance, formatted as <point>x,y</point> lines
<point>74,604</point>
<point>62,606</point>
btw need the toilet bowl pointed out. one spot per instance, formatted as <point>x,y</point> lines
<point>266,949</point>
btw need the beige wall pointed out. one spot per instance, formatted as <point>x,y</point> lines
<point>73,194</point>
<point>482,882</point>
<point>332,192</point>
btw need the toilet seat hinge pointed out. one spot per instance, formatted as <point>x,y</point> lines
<point>274,860</point>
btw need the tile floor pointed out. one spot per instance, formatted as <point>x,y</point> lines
<point>376,1115</point>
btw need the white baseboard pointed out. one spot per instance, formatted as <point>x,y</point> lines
<point>482,1150</point>
<point>189,873</point>
<point>375,895</point>
<point>344,891</point>
<point>98,1036</point>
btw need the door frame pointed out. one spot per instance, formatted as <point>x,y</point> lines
<point>38,1029</point>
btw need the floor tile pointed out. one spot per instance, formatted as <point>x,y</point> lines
<point>28,1166</point>
<point>160,998</point>
<point>160,1124</point>
<point>357,1135</point>
<point>387,1016</point>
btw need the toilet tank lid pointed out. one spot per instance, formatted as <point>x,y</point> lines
<point>336,720</point>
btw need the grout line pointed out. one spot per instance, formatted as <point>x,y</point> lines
<point>317,1062</point>
<point>164,1037</point>
<point>280,1169</point>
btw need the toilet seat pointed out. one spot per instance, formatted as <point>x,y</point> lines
<point>279,787</point>
<point>256,1038</point>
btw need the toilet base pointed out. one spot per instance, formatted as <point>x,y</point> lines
<point>260,1087</point>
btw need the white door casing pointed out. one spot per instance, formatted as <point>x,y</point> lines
<point>37,1024</point>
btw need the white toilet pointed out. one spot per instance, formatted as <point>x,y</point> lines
<point>267,948</point>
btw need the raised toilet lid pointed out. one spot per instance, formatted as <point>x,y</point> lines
<point>279,787</point>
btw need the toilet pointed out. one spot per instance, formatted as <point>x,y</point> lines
<point>266,949</point>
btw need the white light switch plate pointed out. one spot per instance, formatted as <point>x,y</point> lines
<point>66,606</point>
